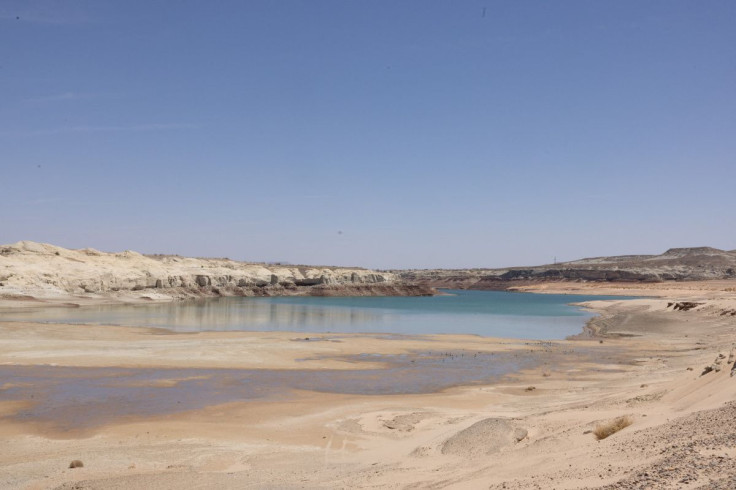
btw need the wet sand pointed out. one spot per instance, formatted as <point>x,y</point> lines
<point>78,400</point>
<point>318,432</point>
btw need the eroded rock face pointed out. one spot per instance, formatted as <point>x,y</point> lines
<point>43,270</point>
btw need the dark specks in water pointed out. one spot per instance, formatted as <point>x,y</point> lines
<point>315,339</point>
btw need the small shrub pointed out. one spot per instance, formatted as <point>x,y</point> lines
<point>604,430</point>
<point>76,464</point>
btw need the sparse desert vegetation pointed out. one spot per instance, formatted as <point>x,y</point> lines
<point>602,431</point>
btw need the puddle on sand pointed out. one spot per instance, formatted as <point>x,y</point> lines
<point>71,398</point>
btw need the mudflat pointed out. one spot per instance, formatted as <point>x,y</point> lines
<point>532,424</point>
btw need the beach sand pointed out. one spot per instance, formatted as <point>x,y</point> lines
<point>533,428</point>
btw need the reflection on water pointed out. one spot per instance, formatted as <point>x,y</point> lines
<point>253,314</point>
<point>487,313</point>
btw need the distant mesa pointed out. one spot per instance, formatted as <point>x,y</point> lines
<point>682,252</point>
<point>676,264</point>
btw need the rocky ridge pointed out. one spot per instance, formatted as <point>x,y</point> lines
<point>37,270</point>
<point>676,264</point>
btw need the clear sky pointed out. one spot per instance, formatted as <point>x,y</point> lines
<point>374,133</point>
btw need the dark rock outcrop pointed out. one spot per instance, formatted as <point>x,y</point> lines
<point>676,264</point>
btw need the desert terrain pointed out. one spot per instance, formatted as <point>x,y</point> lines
<point>663,362</point>
<point>675,264</point>
<point>34,273</point>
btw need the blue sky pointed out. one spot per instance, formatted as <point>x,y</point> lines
<point>375,133</point>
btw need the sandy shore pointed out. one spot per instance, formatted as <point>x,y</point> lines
<point>529,429</point>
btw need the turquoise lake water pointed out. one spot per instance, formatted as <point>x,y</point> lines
<point>485,313</point>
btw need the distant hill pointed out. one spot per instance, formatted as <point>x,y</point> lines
<point>676,264</point>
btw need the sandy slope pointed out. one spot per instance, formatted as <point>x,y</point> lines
<point>682,435</point>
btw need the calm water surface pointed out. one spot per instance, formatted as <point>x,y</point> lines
<point>76,398</point>
<point>485,313</point>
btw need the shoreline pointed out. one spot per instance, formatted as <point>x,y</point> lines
<point>7,316</point>
<point>335,439</point>
<point>43,299</point>
<point>173,295</point>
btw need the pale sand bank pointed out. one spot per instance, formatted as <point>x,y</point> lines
<point>338,440</point>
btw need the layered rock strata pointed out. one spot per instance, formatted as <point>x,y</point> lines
<point>46,271</point>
